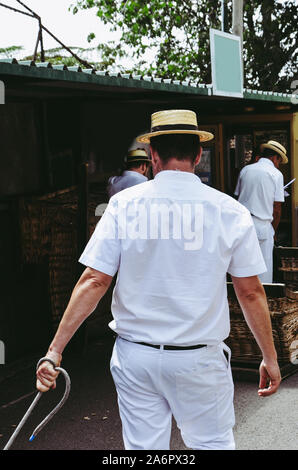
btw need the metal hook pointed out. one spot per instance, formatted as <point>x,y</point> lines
<point>33,404</point>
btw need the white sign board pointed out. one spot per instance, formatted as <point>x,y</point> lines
<point>226,64</point>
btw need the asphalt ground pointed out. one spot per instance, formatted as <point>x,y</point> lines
<point>89,420</point>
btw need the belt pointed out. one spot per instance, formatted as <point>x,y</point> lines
<point>169,348</point>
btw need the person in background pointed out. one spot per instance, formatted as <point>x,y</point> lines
<point>137,165</point>
<point>260,188</point>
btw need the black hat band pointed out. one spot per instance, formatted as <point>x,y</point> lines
<point>169,127</point>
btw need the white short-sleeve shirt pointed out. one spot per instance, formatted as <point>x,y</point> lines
<point>172,241</point>
<point>126,180</point>
<point>259,186</point>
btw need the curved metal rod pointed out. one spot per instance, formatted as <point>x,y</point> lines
<point>33,404</point>
<point>57,407</point>
<point>22,422</point>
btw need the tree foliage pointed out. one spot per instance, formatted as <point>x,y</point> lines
<point>10,51</point>
<point>176,33</point>
<point>56,55</point>
<point>271,44</point>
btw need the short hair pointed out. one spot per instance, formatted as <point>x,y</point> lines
<point>269,153</point>
<point>179,146</point>
<point>135,164</point>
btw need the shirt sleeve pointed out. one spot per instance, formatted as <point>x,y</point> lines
<point>279,195</point>
<point>237,189</point>
<point>102,252</point>
<point>247,259</point>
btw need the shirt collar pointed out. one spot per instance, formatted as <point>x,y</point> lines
<point>135,173</point>
<point>266,161</point>
<point>177,175</point>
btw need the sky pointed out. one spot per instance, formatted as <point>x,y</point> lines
<point>72,30</point>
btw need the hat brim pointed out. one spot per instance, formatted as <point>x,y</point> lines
<point>204,136</point>
<point>144,160</point>
<point>276,150</point>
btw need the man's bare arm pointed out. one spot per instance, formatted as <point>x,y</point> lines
<point>276,215</point>
<point>88,291</point>
<point>252,299</point>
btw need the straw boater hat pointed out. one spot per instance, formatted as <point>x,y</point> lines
<point>174,121</point>
<point>137,155</point>
<point>278,148</point>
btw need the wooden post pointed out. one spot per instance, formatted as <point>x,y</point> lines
<point>36,46</point>
<point>224,16</point>
<point>42,54</point>
<point>294,174</point>
<point>237,25</point>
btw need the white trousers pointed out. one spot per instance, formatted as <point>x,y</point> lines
<point>265,234</point>
<point>195,386</point>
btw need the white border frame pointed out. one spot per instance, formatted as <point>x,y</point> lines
<point>217,91</point>
<point>2,97</point>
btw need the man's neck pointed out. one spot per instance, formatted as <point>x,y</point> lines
<point>178,165</point>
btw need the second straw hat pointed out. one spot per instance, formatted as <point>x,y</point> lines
<point>278,148</point>
<point>137,155</point>
<point>174,121</point>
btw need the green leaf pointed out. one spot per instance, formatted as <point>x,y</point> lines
<point>90,37</point>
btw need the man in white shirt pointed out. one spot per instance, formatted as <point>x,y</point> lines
<point>171,242</point>
<point>260,188</point>
<point>137,164</point>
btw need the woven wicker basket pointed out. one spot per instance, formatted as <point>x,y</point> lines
<point>284,320</point>
<point>49,229</point>
<point>288,266</point>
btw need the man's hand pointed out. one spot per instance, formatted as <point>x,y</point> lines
<point>269,371</point>
<point>252,299</point>
<point>46,374</point>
